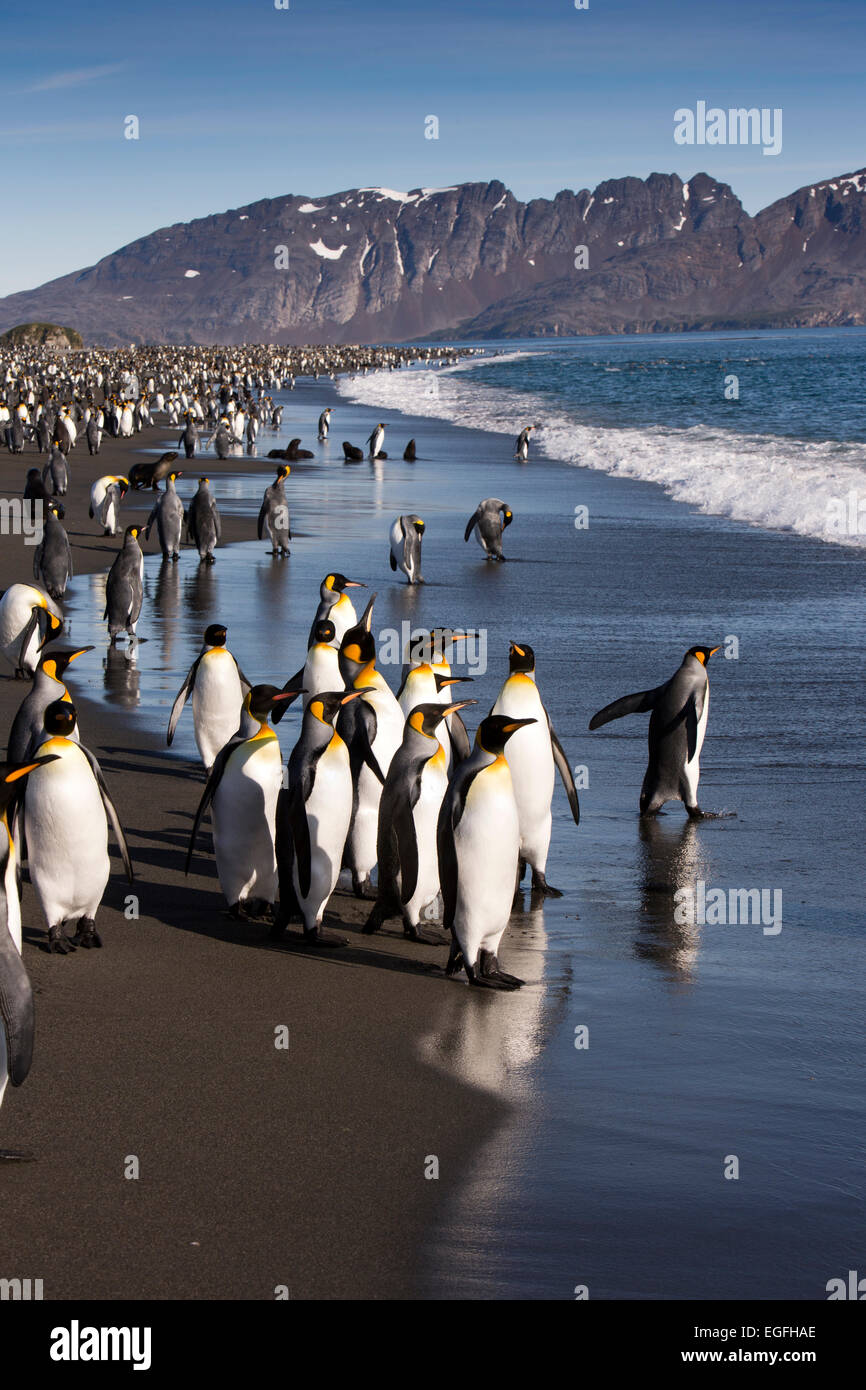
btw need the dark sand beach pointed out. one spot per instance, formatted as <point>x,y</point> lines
<point>558,1167</point>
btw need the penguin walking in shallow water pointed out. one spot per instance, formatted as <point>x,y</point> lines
<point>106,495</point>
<point>336,606</point>
<point>28,726</point>
<point>533,754</point>
<point>204,527</point>
<point>168,514</point>
<point>52,558</point>
<point>678,711</point>
<point>242,790</point>
<point>376,440</point>
<point>521,448</point>
<point>405,538</point>
<point>29,617</point>
<point>16,993</point>
<point>372,729</point>
<point>67,812</point>
<point>324,424</point>
<point>313,816</point>
<point>124,588</point>
<point>488,522</point>
<point>217,686</point>
<point>189,439</point>
<point>478,838</point>
<point>274,515</point>
<point>408,866</point>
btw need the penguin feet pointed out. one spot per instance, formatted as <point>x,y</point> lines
<point>87,936</point>
<point>455,960</point>
<point>375,920</point>
<point>541,885</point>
<point>422,938</point>
<point>695,813</point>
<point>362,887</point>
<point>479,981</point>
<point>489,969</point>
<point>58,944</point>
<point>209,560</point>
<point>328,940</point>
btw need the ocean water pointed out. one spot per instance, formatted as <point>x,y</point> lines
<point>707,1049</point>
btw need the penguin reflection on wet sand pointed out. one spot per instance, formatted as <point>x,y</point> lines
<point>488,522</point>
<point>242,789</point>
<point>16,993</point>
<point>533,754</point>
<point>408,866</point>
<point>478,839</point>
<point>67,812</point>
<point>405,537</point>
<point>679,710</point>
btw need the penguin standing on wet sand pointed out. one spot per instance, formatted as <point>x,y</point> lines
<point>274,515</point>
<point>521,449</point>
<point>408,872</point>
<point>336,606</point>
<point>204,527</point>
<point>52,558</point>
<point>168,514</point>
<point>488,522</point>
<point>124,588</point>
<point>16,993</point>
<point>313,816</point>
<point>324,423</point>
<point>189,439</point>
<point>678,722</point>
<point>67,812</point>
<point>532,755</point>
<point>405,537</point>
<point>217,686</point>
<point>376,440</point>
<point>106,495</point>
<point>28,726</point>
<point>242,789</point>
<point>478,839</point>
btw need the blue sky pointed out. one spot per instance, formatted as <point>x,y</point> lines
<point>238,101</point>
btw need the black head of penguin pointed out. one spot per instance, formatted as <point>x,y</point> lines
<point>324,631</point>
<point>131,533</point>
<point>495,731</point>
<point>13,774</point>
<point>262,699</point>
<point>55,661</point>
<point>702,654</point>
<point>426,718</point>
<point>326,706</point>
<point>60,719</point>
<point>215,635</point>
<point>357,650</point>
<point>419,525</point>
<point>507,517</point>
<point>336,583</point>
<point>521,658</point>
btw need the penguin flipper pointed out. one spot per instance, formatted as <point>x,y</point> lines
<point>638,703</point>
<point>393,561</point>
<point>110,811</point>
<point>209,792</point>
<point>472,523</point>
<point>16,1009</point>
<point>564,770</point>
<point>407,841</point>
<point>294,684</point>
<point>366,618</point>
<point>28,633</point>
<point>260,525</point>
<point>693,710</point>
<point>300,828</point>
<point>457,732</point>
<point>180,700</point>
<point>245,680</point>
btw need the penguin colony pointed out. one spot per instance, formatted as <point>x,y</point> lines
<point>386,786</point>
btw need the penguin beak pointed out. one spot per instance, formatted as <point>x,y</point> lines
<point>519,650</point>
<point>452,680</point>
<point>287,695</point>
<point>461,704</point>
<point>354,584</point>
<point>26,768</point>
<point>79,652</point>
<point>513,725</point>
<point>354,694</point>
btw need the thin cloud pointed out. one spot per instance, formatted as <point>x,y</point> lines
<point>74,77</point>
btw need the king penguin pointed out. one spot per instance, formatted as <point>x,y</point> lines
<point>217,686</point>
<point>424,686</point>
<point>67,812</point>
<point>405,538</point>
<point>52,558</point>
<point>488,521</point>
<point>336,606</point>
<point>532,755</point>
<point>168,514</point>
<point>124,588</point>
<point>321,670</point>
<point>372,729</point>
<point>106,495</point>
<point>408,873</point>
<point>678,722</point>
<point>203,522</point>
<point>243,788</point>
<point>478,839</point>
<point>274,514</point>
<point>324,423</point>
<point>313,817</point>
<point>28,726</point>
<point>16,993</point>
<point>376,440</point>
<point>29,617</point>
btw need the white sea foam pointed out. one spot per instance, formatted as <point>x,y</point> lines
<point>769,481</point>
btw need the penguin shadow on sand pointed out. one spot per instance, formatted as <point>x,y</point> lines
<point>671,857</point>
